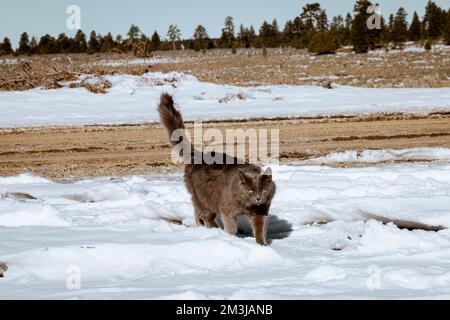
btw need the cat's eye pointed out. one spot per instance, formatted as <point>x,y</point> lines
<point>250,191</point>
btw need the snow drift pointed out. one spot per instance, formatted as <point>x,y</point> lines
<point>112,231</point>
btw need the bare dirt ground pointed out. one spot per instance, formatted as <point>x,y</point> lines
<point>88,151</point>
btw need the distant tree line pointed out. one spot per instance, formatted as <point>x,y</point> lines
<point>311,29</point>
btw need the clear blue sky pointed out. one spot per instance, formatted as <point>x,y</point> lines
<point>49,16</point>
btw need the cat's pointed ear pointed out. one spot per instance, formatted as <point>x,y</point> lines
<point>267,175</point>
<point>268,172</point>
<point>243,176</point>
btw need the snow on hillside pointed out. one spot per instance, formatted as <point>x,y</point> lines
<point>111,231</point>
<point>414,47</point>
<point>8,61</point>
<point>132,99</point>
<point>141,61</point>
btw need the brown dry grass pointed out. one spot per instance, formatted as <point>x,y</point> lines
<point>247,68</point>
<point>53,71</point>
<point>288,66</point>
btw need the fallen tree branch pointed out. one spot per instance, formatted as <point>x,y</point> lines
<point>401,224</point>
<point>404,224</point>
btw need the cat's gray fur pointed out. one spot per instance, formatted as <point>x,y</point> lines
<point>230,190</point>
<point>3,268</point>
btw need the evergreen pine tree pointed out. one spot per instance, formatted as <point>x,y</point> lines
<point>337,29</point>
<point>133,33</point>
<point>292,33</point>
<point>93,44</point>
<point>447,29</point>
<point>6,47</point>
<point>433,20</point>
<point>174,35</point>
<point>264,33</point>
<point>79,44</point>
<point>375,35</point>
<point>385,32</point>
<point>227,38</point>
<point>276,35</point>
<point>133,36</point>
<point>391,26</point>
<point>359,27</point>
<point>62,44</point>
<point>108,43</point>
<point>347,38</point>
<point>313,19</point>
<point>423,30</point>
<point>270,34</point>
<point>24,44</point>
<point>119,40</point>
<point>400,30</point>
<point>322,21</point>
<point>252,35</point>
<point>200,38</point>
<point>47,45</point>
<point>415,28</point>
<point>310,16</point>
<point>155,41</point>
<point>243,37</point>
<point>34,45</point>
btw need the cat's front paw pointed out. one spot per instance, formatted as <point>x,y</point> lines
<point>261,242</point>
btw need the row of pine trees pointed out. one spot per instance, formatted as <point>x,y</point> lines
<point>311,29</point>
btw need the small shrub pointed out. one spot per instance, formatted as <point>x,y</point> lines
<point>233,49</point>
<point>264,52</point>
<point>323,43</point>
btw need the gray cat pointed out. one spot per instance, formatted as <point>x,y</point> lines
<point>3,268</point>
<point>230,190</point>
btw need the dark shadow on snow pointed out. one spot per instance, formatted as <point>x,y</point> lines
<point>277,228</point>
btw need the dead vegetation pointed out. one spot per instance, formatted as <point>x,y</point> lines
<point>248,67</point>
<point>230,97</point>
<point>32,73</point>
<point>97,86</point>
<point>56,71</point>
<point>378,69</point>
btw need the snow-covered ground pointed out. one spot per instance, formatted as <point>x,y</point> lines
<point>8,61</point>
<point>142,61</point>
<point>111,231</point>
<point>387,155</point>
<point>413,47</point>
<point>132,99</point>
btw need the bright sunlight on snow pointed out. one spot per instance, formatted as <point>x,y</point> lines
<point>112,230</point>
<point>132,100</point>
